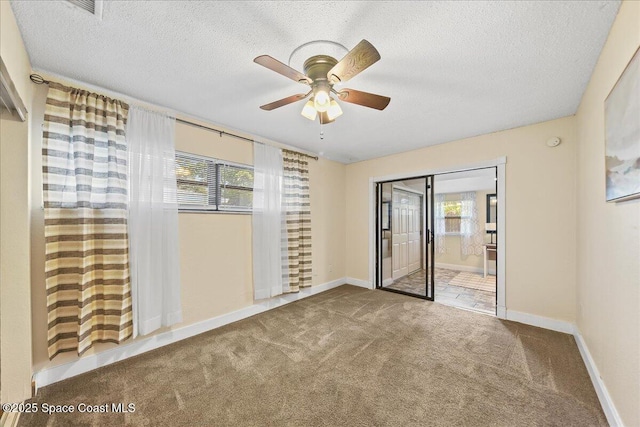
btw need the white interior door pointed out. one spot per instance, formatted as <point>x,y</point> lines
<point>399,237</point>
<point>406,226</point>
<point>414,232</point>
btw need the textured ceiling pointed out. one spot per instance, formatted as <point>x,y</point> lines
<point>452,69</point>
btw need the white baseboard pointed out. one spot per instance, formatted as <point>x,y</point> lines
<point>613,418</point>
<point>359,282</point>
<point>468,268</point>
<point>88,363</point>
<point>541,322</point>
<point>610,411</point>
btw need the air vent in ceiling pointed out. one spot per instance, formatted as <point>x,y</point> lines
<point>92,6</point>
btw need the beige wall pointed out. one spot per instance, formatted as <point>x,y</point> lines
<point>15,310</point>
<point>540,209</point>
<point>608,294</point>
<point>215,249</point>
<point>453,255</point>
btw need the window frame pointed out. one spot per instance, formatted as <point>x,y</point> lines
<point>216,164</point>
<point>459,217</point>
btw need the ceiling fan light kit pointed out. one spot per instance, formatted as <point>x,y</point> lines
<point>334,110</point>
<point>309,111</point>
<point>321,100</point>
<point>321,73</point>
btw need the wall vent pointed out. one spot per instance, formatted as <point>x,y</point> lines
<point>94,7</point>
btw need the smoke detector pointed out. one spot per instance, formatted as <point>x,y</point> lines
<point>553,142</point>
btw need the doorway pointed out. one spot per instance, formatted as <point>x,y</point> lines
<point>465,227</point>
<point>437,238</point>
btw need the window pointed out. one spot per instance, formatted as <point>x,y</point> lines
<point>452,216</point>
<point>210,184</point>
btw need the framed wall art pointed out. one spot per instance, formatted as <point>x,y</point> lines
<point>622,134</point>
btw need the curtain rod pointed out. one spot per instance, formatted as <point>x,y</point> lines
<point>38,79</point>
<point>222,132</point>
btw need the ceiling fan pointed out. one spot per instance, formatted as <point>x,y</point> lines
<point>322,72</point>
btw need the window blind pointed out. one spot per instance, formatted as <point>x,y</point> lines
<point>235,187</point>
<point>205,183</point>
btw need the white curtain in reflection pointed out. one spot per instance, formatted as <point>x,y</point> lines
<point>440,224</point>
<point>471,238</point>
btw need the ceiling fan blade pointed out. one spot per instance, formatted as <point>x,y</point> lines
<point>365,99</point>
<point>357,59</point>
<point>324,118</point>
<point>284,101</point>
<point>279,67</point>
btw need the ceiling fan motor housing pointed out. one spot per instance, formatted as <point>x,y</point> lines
<point>317,67</point>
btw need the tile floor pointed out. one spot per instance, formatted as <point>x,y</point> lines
<point>446,293</point>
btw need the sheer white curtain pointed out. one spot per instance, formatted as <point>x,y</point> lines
<point>440,225</point>
<point>153,221</point>
<point>470,232</point>
<point>270,275</point>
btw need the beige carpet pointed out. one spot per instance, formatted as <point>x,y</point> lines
<point>475,281</point>
<point>346,357</point>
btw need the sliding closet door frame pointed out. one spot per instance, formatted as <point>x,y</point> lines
<point>500,164</point>
<point>378,267</point>
<point>431,247</point>
<point>429,278</point>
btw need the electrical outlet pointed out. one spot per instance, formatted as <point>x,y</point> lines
<point>330,268</point>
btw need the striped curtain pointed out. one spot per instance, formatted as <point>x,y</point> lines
<point>298,216</point>
<point>85,208</point>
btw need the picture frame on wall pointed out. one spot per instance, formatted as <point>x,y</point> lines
<point>622,134</point>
